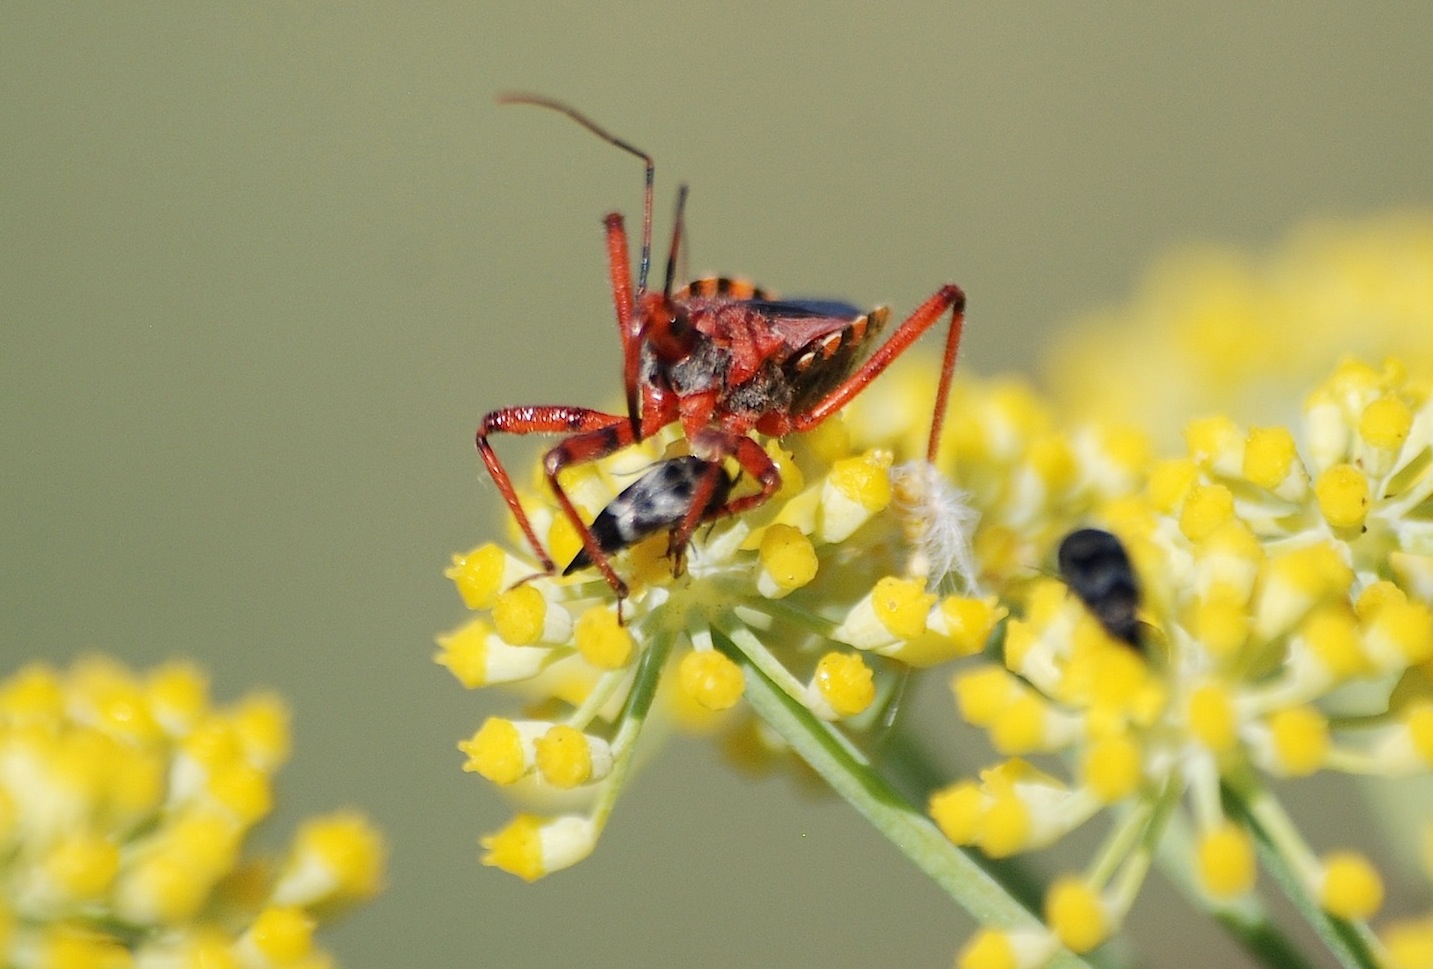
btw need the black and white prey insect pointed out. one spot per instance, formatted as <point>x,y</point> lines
<point>662,498</point>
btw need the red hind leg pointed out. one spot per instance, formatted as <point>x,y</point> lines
<point>948,297</point>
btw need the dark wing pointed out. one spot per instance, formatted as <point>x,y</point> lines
<point>826,337</point>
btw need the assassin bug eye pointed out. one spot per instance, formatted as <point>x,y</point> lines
<point>1097,569</point>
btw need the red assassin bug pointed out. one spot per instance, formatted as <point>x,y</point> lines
<point>722,359</point>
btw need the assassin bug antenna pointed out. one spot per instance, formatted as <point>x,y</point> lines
<point>677,232</point>
<point>554,105</point>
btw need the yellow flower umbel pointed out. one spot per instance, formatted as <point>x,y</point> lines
<point>1285,578</point>
<point>821,582</point>
<point>125,801</point>
<point>1217,330</point>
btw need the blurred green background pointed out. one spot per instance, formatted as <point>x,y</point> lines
<point>266,264</point>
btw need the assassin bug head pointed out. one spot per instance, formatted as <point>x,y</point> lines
<point>654,317</point>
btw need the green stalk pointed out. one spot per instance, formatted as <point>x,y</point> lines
<point>852,777</point>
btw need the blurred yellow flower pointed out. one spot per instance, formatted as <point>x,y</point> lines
<point>125,801</point>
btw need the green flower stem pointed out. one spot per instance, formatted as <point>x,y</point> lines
<point>1130,829</point>
<point>1136,868</point>
<point>852,777</point>
<point>634,715</point>
<point>1281,852</point>
<point>907,764</point>
<point>1246,920</point>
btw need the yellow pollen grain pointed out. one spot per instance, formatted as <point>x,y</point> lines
<point>1352,888</point>
<point>178,692</point>
<point>1221,623</point>
<point>32,693</point>
<point>989,949</point>
<point>1004,826</point>
<point>465,654</point>
<point>792,480</point>
<point>1375,596</point>
<point>602,640</point>
<point>1209,438</point>
<point>496,752</point>
<point>1127,447</point>
<point>1076,914</point>
<point>1020,640</point>
<point>864,479</point>
<point>1409,944</point>
<point>518,615</point>
<point>283,934</point>
<point>1269,455</point>
<point>902,606</point>
<point>1212,718</point>
<point>846,683</point>
<point>1170,481</point>
<point>1404,628</point>
<point>1112,768</point>
<point>1342,493</point>
<point>1418,720</point>
<point>67,947</point>
<point>261,722</point>
<point>246,791</point>
<point>478,575</point>
<point>164,888</point>
<point>517,848</point>
<point>1301,739</point>
<point>563,542</point>
<point>1226,861</point>
<point>1052,460</point>
<point>1019,727</point>
<point>350,849</point>
<point>957,810</point>
<point>830,440</point>
<point>1385,423</point>
<point>564,757</point>
<point>969,622</point>
<point>1206,508</point>
<point>982,693</point>
<point>787,556</point>
<point>710,679</point>
<point>83,865</point>
<point>1331,635</point>
<point>1315,569</point>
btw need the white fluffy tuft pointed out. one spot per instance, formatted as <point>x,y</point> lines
<point>939,521</point>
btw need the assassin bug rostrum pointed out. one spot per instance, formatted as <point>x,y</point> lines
<point>723,360</point>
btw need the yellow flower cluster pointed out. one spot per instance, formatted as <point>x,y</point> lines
<point>1284,558</point>
<point>125,801</point>
<point>1285,580</point>
<point>1213,329</point>
<point>820,581</point>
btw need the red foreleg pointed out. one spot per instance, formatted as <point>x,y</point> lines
<point>619,270</point>
<point>581,421</point>
<point>949,297</point>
